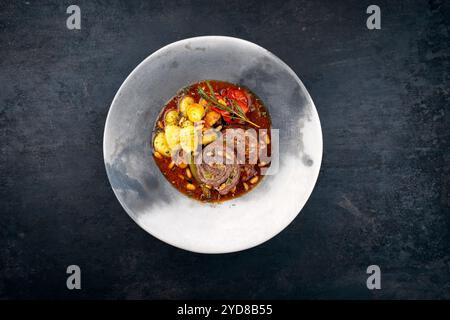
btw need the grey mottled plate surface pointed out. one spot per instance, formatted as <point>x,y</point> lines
<point>166,213</point>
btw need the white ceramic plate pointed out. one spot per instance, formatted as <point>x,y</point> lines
<point>163,211</point>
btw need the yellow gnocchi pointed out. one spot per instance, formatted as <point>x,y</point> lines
<point>195,112</point>
<point>172,136</point>
<point>160,144</point>
<point>184,103</point>
<point>188,138</point>
<point>171,117</point>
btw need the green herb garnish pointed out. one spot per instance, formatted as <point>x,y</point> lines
<point>235,112</point>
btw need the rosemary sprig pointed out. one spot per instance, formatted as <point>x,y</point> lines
<point>211,90</point>
<point>234,114</point>
<point>237,106</point>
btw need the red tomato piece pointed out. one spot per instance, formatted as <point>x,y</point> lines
<point>236,95</point>
<point>239,96</point>
<point>225,114</point>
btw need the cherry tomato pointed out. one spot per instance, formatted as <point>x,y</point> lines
<point>239,96</point>
<point>236,95</point>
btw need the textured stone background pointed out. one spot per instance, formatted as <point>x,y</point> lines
<point>382,196</point>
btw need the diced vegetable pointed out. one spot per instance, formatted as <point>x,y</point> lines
<point>173,136</point>
<point>221,100</point>
<point>203,102</point>
<point>171,117</point>
<point>254,180</point>
<point>184,103</point>
<point>211,118</point>
<point>193,169</point>
<point>158,155</point>
<point>182,165</point>
<point>205,191</point>
<point>190,186</point>
<point>195,112</point>
<point>160,144</point>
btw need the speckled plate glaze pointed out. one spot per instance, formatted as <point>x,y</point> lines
<point>158,207</point>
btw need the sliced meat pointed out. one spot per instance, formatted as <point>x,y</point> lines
<point>218,168</point>
<point>215,174</point>
<point>231,181</point>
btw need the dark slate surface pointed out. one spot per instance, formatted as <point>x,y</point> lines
<point>382,196</point>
